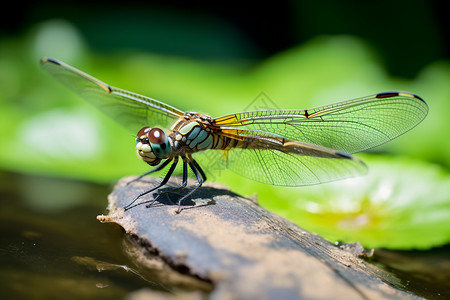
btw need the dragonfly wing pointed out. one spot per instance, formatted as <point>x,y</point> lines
<point>289,164</point>
<point>131,110</point>
<point>350,126</point>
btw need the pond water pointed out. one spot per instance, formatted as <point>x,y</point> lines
<point>53,247</point>
<point>51,244</point>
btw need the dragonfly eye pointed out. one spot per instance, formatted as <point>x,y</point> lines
<point>156,136</point>
<point>143,132</point>
<point>159,143</point>
<point>152,145</point>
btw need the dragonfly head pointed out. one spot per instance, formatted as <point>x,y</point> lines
<point>153,145</point>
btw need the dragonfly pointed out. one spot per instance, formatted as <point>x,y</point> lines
<point>284,147</point>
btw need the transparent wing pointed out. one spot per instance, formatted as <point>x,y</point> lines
<point>350,126</point>
<point>133,111</point>
<point>302,147</point>
<point>292,164</point>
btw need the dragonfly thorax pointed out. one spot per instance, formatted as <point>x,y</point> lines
<point>152,145</point>
<point>192,133</point>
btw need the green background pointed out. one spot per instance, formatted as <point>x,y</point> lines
<point>221,59</point>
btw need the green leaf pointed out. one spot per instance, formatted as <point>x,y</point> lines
<point>401,204</point>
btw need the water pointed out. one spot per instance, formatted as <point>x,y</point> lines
<point>51,245</point>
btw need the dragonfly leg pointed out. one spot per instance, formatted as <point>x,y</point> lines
<point>157,168</point>
<point>200,178</point>
<point>197,166</point>
<point>182,186</point>
<point>163,182</point>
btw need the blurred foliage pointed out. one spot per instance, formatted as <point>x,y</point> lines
<point>401,204</point>
<point>46,129</point>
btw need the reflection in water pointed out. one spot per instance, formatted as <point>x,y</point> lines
<point>54,253</point>
<point>101,266</point>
